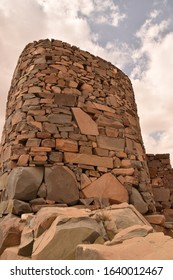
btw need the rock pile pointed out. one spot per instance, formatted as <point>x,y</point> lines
<point>115,232</point>
<point>71,133</point>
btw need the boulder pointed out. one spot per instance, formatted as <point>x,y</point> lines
<point>107,186</point>
<point>24,182</point>
<point>154,246</point>
<point>122,215</point>
<point>61,185</point>
<point>60,240</point>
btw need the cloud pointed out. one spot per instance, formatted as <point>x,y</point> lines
<point>153,83</point>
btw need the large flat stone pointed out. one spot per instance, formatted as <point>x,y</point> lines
<point>86,124</point>
<point>88,159</point>
<point>24,182</point>
<point>110,143</point>
<point>107,186</point>
<point>61,185</point>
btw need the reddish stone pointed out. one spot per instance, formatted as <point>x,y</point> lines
<point>107,186</point>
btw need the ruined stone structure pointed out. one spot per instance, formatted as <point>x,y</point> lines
<point>161,174</point>
<point>71,132</point>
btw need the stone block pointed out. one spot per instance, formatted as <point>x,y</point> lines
<point>23,183</point>
<point>115,144</point>
<point>61,185</point>
<point>88,159</point>
<point>107,186</point>
<point>161,194</point>
<point>65,100</point>
<point>86,124</point>
<point>67,145</point>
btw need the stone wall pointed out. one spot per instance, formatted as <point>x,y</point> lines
<point>161,174</point>
<point>72,131</point>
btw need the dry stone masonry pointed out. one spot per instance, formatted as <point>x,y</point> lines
<point>161,174</point>
<point>71,134</point>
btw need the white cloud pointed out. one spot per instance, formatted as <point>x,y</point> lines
<point>153,85</point>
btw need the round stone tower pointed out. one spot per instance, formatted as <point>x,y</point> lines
<point>72,132</point>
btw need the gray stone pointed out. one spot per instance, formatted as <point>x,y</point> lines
<point>65,99</point>
<point>24,182</point>
<point>26,242</point>
<point>19,207</point>
<point>137,200</point>
<point>60,118</point>
<point>61,185</point>
<point>161,194</point>
<point>60,240</point>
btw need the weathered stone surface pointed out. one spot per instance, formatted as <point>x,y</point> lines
<point>137,200</point>
<point>130,232</point>
<point>123,215</point>
<point>155,219</point>
<point>107,186</point>
<point>56,243</point>
<point>23,182</point>
<point>110,143</point>
<point>155,246</point>
<point>61,185</point>
<point>86,124</point>
<point>88,159</point>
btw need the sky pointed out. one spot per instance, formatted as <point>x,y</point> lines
<point>134,35</point>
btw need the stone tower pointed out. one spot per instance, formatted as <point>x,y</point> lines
<point>72,131</point>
